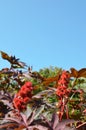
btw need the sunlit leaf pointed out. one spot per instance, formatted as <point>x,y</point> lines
<point>78,73</point>
<point>15,63</point>
<point>74,72</point>
<point>82,73</point>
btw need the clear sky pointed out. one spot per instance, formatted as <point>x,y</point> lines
<point>44,33</point>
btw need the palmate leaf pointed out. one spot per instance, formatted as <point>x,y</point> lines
<point>74,72</point>
<point>43,93</point>
<point>54,120</point>
<point>44,81</point>
<point>63,125</point>
<point>36,75</point>
<point>12,122</point>
<point>15,118</point>
<point>78,73</point>
<point>82,72</point>
<point>48,81</point>
<point>54,124</point>
<point>6,126</point>
<point>19,120</point>
<point>15,63</point>
<point>31,117</point>
<point>44,98</point>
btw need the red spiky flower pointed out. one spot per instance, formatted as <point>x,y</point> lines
<point>23,96</point>
<point>63,92</point>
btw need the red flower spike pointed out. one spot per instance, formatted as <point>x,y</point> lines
<point>63,92</point>
<point>23,96</point>
<point>62,88</point>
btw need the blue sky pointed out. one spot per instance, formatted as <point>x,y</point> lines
<point>44,33</point>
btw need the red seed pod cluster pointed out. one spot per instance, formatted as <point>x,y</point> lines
<point>63,94</point>
<point>62,88</point>
<point>23,96</point>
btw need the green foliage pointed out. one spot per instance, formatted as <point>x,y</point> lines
<point>49,72</point>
